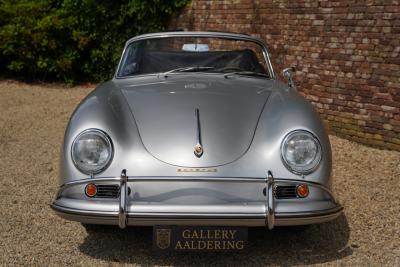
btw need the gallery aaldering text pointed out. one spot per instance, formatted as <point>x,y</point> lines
<point>209,239</point>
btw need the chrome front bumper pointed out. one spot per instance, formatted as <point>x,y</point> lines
<point>270,213</point>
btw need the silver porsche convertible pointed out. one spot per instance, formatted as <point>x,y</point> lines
<point>195,129</point>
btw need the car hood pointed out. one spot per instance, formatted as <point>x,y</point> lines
<point>229,110</point>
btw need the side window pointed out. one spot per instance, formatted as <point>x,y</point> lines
<point>130,62</point>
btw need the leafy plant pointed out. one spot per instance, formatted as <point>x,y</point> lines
<point>74,40</point>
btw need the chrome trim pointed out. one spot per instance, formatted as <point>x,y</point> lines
<point>107,191</point>
<point>221,35</point>
<point>172,215</point>
<point>198,148</point>
<point>270,205</point>
<point>271,218</point>
<point>103,135</point>
<point>288,74</point>
<point>236,215</point>
<point>277,187</point>
<point>89,213</point>
<point>334,210</point>
<point>227,35</point>
<point>281,219</point>
<point>196,179</point>
<point>287,165</point>
<point>122,211</point>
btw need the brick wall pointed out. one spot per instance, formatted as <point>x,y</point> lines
<point>346,54</point>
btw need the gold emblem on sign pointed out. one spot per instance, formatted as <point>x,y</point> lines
<point>163,238</point>
<point>198,150</point>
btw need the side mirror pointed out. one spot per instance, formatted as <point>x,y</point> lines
<point>288,73</point>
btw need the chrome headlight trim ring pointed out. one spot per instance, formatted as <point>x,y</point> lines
<point>109,143</point>
<point>318,157</point>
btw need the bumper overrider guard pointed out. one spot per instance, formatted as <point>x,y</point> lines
<point>270,217</point>
<point>123,207</point>
<point>270,204</point>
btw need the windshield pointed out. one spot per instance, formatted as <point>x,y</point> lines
<point>193,54</point>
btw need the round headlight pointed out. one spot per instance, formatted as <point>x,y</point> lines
<point>92,151</point>
<point>301,152</point>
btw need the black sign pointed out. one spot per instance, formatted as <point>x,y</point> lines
<point>199,238</point>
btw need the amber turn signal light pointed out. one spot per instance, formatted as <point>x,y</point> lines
<point>91,190</point>
<point>302,190</point>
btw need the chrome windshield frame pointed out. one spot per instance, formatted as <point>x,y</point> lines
<point>221,35</point>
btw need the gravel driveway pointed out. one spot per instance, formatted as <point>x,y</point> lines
<point>32,122</point>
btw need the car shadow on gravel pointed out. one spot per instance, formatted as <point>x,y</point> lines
<point>282,246</point>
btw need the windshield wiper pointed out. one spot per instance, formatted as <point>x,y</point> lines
<point>246,73</point>
<point>186,69</point>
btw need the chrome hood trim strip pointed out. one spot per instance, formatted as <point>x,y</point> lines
<point>198,148</point>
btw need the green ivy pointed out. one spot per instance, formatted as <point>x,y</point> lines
<point>74,40</point>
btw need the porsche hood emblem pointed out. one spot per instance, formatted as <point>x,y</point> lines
<point>198,148</point>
